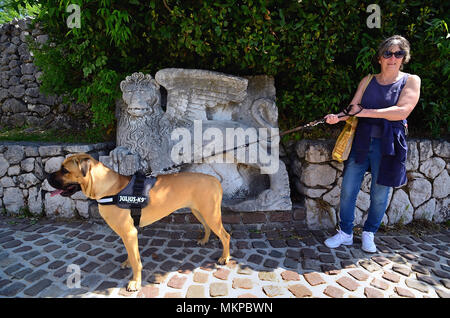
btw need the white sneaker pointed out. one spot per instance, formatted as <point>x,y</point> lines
<point>338,239</point>
<point>367,242</point>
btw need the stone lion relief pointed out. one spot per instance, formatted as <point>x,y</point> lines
<point>214,123</point>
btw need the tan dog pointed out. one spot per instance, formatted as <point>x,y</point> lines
<point>200,192</point>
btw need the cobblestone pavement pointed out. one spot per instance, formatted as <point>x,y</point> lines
<point>45,259</point>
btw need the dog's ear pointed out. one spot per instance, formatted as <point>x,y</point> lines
<point>84,165</point>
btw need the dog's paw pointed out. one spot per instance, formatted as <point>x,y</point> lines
<point>133,286</point>
<point>224,260</point>
<point>202,242</point>
<point>125,264</point>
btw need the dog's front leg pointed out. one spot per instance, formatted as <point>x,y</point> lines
<point>130,241</point>
<point>121,222</point>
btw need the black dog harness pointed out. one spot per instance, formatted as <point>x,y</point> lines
<point>134,196</point>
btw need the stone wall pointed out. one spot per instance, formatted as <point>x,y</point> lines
<point>313,174</point>
<point>425,196</point>
<point>21,102</point>
<point>23,184</point>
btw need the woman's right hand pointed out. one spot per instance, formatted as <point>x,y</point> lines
<point>332,119</point>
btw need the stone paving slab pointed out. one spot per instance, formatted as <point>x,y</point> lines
<point>82,259</point>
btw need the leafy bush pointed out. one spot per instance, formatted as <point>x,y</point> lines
<point>316,50</point>
<point>10,9</point>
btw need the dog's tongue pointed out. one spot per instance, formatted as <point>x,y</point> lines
<point>56,192</point>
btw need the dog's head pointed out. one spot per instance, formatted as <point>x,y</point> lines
<point>71,176</point>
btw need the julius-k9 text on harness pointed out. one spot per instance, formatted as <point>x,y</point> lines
<point>134,196</point>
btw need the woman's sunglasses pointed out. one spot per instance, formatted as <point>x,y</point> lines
<point>398,54</point>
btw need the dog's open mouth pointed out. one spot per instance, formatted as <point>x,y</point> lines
<point>67,191</point>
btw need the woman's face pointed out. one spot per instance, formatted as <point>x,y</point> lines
<point>392,63</point>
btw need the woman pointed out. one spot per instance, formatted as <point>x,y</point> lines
<point>380,140</point>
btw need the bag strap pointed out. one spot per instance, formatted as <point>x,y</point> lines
<point>347,109</point>
<point>367,83</point>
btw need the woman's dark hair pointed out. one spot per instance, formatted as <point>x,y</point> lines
<point>395,40</point>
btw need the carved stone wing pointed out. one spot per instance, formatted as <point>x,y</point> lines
<point>193,94</point>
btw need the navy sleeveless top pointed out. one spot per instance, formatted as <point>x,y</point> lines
<point>392,133</point>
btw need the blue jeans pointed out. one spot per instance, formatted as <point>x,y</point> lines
<point>351,185</point>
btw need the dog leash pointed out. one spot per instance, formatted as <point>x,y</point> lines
<point>345,111</point>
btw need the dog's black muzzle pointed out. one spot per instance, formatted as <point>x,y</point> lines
<point>65,190</point>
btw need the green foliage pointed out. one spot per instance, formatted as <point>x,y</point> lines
<point>435,64</point>
<point>10,9</point>
<point>318,51</point>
